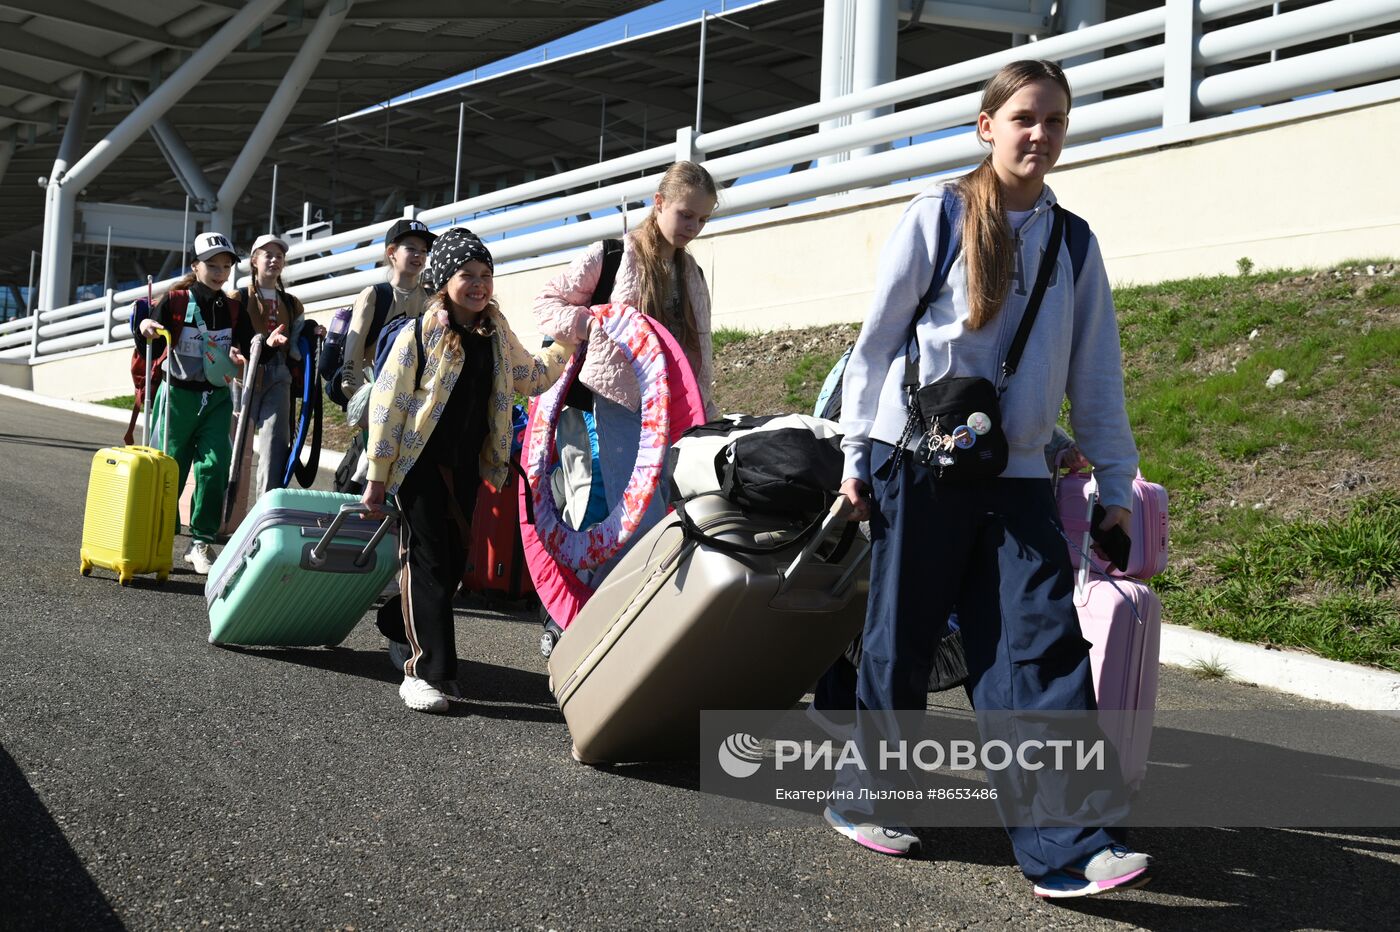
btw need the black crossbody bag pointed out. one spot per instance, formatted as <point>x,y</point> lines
<point>958,419</point>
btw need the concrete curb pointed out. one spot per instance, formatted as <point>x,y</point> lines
<point>330,459</point>
<point>1287,670</point>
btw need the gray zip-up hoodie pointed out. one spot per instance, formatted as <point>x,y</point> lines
<point>1073,351</point>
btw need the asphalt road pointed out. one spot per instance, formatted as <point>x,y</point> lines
<point>151,781</point>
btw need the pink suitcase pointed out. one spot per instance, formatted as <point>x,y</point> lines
<point>1122,619</point>
<point>1075,494</point>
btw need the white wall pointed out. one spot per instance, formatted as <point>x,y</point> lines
<point>1312,192</point>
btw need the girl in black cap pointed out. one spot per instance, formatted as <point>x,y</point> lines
<point>439,424</point>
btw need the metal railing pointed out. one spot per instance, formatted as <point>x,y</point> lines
<point>328,271</point>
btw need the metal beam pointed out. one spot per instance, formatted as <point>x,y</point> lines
<point>92,16</point>
<point>59,206</point>
<point>327,70</point>
<point>555,110</point>
<point>774,38</point>
<point>675,100</point>
<point>20,82</point>
<point>288,92</point>
<point>38,118</point>
<point>748,77</point>
<point>18,42</point>
<point>184,165</point>
<point>394,11</point>
<point>364,41</point>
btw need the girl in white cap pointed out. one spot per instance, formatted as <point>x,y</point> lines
<point>278,317</point>
<point>201,406</point>
<point>440,425</point>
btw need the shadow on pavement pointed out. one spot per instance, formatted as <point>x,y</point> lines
<point>54,442</point>
<point>1263,879</point>
<point>491,690</point>
<point>43,884</point>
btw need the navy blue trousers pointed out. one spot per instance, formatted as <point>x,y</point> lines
<point>992,550</point>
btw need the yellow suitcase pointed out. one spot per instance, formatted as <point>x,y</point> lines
<point>129,521</point>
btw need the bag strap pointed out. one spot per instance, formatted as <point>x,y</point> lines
<point>1042,281</point>
<point>950,233</point>
<point>383,300</point>
<point>692,531</point>
<point>607,277</point>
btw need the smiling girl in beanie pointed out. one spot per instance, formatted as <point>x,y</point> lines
<point>435,433</point>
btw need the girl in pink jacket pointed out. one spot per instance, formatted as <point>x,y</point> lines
<point>658,277</point>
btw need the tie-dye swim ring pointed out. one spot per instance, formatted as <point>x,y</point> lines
<point>586,549</point>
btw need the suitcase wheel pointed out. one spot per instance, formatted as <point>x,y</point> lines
<point>124,580</point>
<point>85,568</point>
<point>547,642</point>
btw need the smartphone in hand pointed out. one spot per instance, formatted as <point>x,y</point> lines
<point>1114,543</point>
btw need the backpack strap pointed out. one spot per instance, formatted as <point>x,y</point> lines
<point>612,260</point>
<point>179,304</point>
<point>418,345</point>
<point>950,216</point>
<point>1077,236</point>
<point>383,300</point>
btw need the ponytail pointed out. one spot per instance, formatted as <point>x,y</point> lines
<point>986,238</point>
<point>986,235</point>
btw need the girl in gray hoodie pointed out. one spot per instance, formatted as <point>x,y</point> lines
<point>988,547</point>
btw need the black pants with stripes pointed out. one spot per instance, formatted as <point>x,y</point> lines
<point>433,555</point>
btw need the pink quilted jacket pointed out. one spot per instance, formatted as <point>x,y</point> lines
<point>561,310</point>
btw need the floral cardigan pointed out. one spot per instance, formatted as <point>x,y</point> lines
<point>401,419</point>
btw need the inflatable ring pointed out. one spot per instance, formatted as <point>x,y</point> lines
<point>586,549</point>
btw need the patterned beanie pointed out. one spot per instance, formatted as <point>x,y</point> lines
<point>450,252</point>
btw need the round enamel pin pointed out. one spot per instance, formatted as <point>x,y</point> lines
<point>963,437</point>
<point>979,423</point>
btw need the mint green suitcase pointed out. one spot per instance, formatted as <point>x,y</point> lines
<point>300,570</point>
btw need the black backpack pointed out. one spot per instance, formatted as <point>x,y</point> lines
<point>333,352</point>
<point>345,472</point>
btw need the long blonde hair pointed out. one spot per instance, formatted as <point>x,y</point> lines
<point>485,321</point>
<point>986,235</point>
<point>653,272</point>
<point>256,310</point>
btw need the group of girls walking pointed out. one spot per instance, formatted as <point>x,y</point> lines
<point>198,309</point>
<point>987,547</point>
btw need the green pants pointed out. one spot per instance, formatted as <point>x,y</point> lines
<point>198,438</point>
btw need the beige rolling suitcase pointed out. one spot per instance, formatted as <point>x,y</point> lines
<point>688,621</point>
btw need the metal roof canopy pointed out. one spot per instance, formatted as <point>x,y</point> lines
<point>384,48</point>
<point>530,122</point>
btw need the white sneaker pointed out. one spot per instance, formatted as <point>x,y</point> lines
<point>421,696</point>
<point>200,557</point>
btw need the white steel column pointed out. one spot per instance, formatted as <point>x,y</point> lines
<point>838,31</point>
<point>59,204</point>
<point>58,227</point>
<point>283,100</point>
<point>873,60</point>
<point>182,162</point>
<point>1180,74</point>
<point>1081,14</point>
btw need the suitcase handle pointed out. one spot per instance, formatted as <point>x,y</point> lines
<point>317,555</point>
<point>840,511</point>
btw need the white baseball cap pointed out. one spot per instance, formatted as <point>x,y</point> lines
<point>268,239</point>
<point>209,245</point>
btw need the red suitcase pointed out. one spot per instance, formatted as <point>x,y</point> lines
<point>495,556</point>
